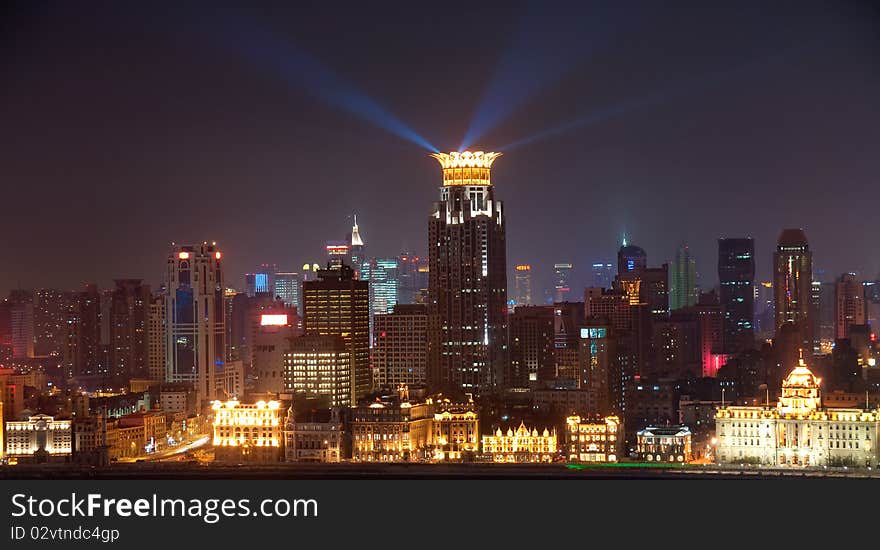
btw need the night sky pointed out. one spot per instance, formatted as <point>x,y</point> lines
<point>125,127</point>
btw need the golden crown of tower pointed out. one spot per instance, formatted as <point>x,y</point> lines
<point>466,167</point>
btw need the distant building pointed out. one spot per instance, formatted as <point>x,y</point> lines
<point>736,273</point>
<point>630,259</point>
<point>522,285</point>
<point>682,280</point>
<point>247,432</point>
<point>792,284</point>
<point>522,445</point>
<point>562,281</point>
<point>593,441</point>
<point>849,304</point>
<point>287,288</point>
<point>381,273</point>
<point>532,336</point>
<point>271,342</point>
<point>130,310</point>
<point>156,339</point>
<point>664,444</point>
<point>412,275</point>
<point>603,274</point>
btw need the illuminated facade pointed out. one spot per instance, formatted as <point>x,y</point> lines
<point>319,366</point>
<point>683,280</point>
<point>40,437</point>
<point>382,276</point>
<point>313,437</point>
<point>287,288</point>
<point>467,305</point>
<point>271,341</point>
<point>522,285</point>
<point>247,432</point>
<point>195,317</point>
<point>156,340</point>
<point>522,445</point>
<point>799,430</point>
<point>455,430</point>
<point>391,432</point>
<point>593,441</point>
<point>664,444</point>
<point>338,304</point>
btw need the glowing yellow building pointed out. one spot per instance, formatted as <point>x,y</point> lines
<point>390,432</point>
<point>40,438</point>
<point>247,432</point>
<point>596,441</point>
<point>455,431</point>
<point>522,445</point>
<point>798,431</point>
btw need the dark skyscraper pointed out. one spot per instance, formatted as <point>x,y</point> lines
<point>338,304</point>
<point>630,258</point>
<point>792,285</point>
<point>83,349</point>
<point>129,319</point>
<point>531,345</point>
<point>467,277</point>
<point>736,273</point>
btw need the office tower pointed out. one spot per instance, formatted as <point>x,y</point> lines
<point>682,280</point>
<point>271,341</point>
<point>654,290</point>
<point>400,346</point>
<point>337,251</point>
<point>412,274</point>
<point>261,281</point>
<point>129,325</point>
<point>338,304</point>
<point>467,307</point>
<point>522,285</point>
<point>49,321</point>
<point>287,288</point>
<point>849,304</point>
<point>319,365</point>
<point>156,339</point>
<point>792,283</point>
<point>598,365</point>
<point>561,281</point>
<point>82,350</point>
<point>381,273</point>
<point>532,336</point>
<point>252,323</point>
<point>603,274</point>
<point>22,323</point>
<point>710,316</point>
<point>356,244</point>
<point>567,319</point>
<point>630,258</point>
<point>765,314</point>
<point>195,317</point>
<point>736,274</point>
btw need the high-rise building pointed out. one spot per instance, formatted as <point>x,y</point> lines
<point>412,274</point>
<point>156,339</point>
<point>129,329</point>
<point>82,350</point>
<point>531,341</point>
<point>630,258</point>
<point>262,280</point>
<point>682,280</point>
<point>567,319</point>
<point>338,304</point>
<point>765,315</point>
<point>357,247</point>
<point>467,309</point>
<point>319,365</point>
<point>598,365</point>
<point>381,273</point>
<point>22,323</point>
<point>195,317</point>
<point>562,281</point>
<point>400,346</point>
<point>736,273</point>
<point>49,321</point>
<point>792,283</point>
<point>271,342</point>
<point>522,285</point>
<point>287,288</point>
<point>654,290</point>
<point>850,304</point>
<point>603,274</point>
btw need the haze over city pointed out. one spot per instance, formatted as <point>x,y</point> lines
<point>262,130</point>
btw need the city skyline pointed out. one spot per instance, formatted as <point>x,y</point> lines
<point>737,127</point>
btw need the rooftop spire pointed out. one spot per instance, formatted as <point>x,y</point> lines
<point>355,234</point>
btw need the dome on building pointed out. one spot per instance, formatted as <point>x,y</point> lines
<point>801,377</point>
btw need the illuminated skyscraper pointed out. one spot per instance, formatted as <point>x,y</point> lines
<point>736,273</point>
<point>261,281</point>
<point>792,282</point>
<point>338,304</point>
<point>287,288</point>
<point>468,277</point>
<point>850,304</point>
<point>382,276</point>
<point>400,346</point>
<point>522,285</point>
<point>356,246</point>
<point>195,317</point>
<point>682,280</point>
<point>562,282</point>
